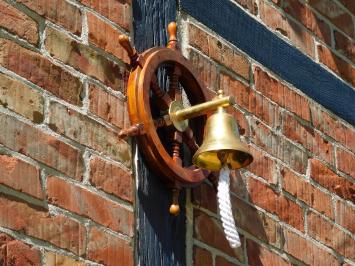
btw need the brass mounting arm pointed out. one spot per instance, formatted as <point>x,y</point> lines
<point>179,115</point>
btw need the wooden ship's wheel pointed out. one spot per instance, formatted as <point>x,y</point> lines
<point>149,105</point>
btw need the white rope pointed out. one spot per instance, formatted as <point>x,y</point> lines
<point>225,208</point>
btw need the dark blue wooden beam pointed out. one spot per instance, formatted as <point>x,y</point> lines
<point>233,24</point>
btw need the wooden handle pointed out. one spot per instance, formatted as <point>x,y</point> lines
<point>174,207</point>
<point>172,43</point>
<point>126,44</point>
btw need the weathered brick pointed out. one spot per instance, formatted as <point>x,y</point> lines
<point>331,181</point>
<point>16,253</point>
<point>85,59</point>
<point>255,222</point>
<point>111,178</point>
<point>88,132</point>
<point>40,71</point>
<point>306,192</point>
<point>20,176</point>
<point>243,124</point>
<point>18,23</point>
<point>220,261</point>
<point>346,162</point>
<point>209,231</point>
<point>118,12</point>
<point>249,5</point>
<point>105,37</point>
<point>276,21</point>
<point>19,98</point>
<point>278,146</point>
<point>60,260</point>
<point>308,18</point>
<point>109,250</point>
<point>344,45</point>
<point>307,251</point>
<point>305,135</point>
<point>237,184</point>
<point>205,196</point>
<point>345,215</point>
<point>107,106</point>
<point>281,94</point>
<point>57,11</point>
<point>206,69</point>
<point>268,199</point>
<point>337,15</point>
<point>322,230</point>
<point>333,127</point>
<point>24,138</point>
<point>349,4</point>
<point>344,69</point>
<point>218,51</point>
<point>263,166</point>
<point>258,255</point>
<point>202,257</point>
<point>58,230</point>
<point>93,206</point>
<point>253,102</point>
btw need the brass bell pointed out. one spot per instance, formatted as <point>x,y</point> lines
<point>221,144</point>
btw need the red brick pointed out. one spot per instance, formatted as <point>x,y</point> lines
<point>243,124</point>
<point>258,255</point>
<point>19,98</point>
<point>331,181</point>
<point>117,11</point>
<point>255,222</point>
<point>308,18</point>
<point>305,135</point>
<point>220,261</point>
<point>40,71</point>
<point>24,138</point>
<point>202,257</point>
<point>253,102</point>
<point>18,23</point>
<point>105,37</point>
<point>16,253</point>
<point>346,162</point>
<point>60,260</point>
<point>100,210</point>
<point>335,63</point>
<point>263,166</point>
<point>85,59</point>
<point>111,178</point>
<point>345,215</point>
<point>249,5</point>
<point>237,185</point>
<point>108,249</point>
<point>70,123</point>
<point>278,146</point>
<point>57,11</point>
<point>58,230</point>
<point>218,51</point>
<point>268,199</point>
<point>333,127</point>
<point>20,176</point>
<point>209,231</point>
<point>303,190</point>
<point>276,21</point>
<point>322,230</point>
<point>307,251</point>
<point>107,106</point>
<point>349,4</point>
<point>344,45</point>
<point>205,196</point>
<point>207,69</point>
<point>281,94</point>
<point>337,15</point>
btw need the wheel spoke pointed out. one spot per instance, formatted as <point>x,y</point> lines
<point>177,146</point>
<point>174,89</point>
<point>163,99</point>
<point>189,139</point>
<point>162,121</point>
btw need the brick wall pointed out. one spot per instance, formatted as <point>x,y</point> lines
<point>294,205</point>
<point>66,186</point>
<point>66,190</point>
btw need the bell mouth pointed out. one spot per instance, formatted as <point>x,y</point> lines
<point>211,160</point>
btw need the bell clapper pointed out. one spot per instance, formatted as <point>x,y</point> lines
<point>224,203</point>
